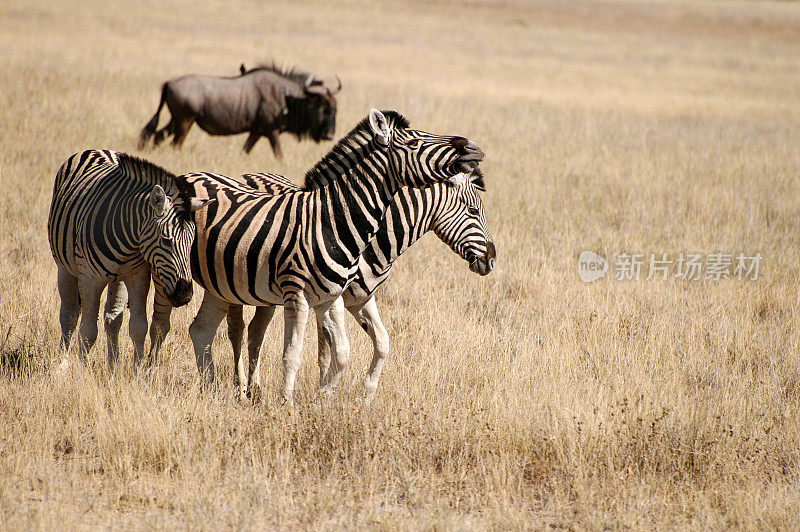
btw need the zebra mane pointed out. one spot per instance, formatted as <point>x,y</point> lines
<point>291,73</point>
<point>142,170</point>
<point>349,151</point>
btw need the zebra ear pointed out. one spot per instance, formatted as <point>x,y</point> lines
<point>197,203</point>
<point>379,125</point>
<point>158,200</point>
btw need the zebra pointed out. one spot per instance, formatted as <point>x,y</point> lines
<point>118,219</point>
<point>301,249</point>
<point>454,213</point>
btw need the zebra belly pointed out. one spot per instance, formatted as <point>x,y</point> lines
<point>113,269</point>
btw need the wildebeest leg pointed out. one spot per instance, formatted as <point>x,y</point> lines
<point>180,127</point>
<point>161,134</point>
<point>255,337</point>
<point>235,335</point>
<point>252,138</point>
<point>112,319</point>
<point>70,309</point>
<point>276,146</point>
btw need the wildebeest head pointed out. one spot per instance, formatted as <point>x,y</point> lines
<point>314,115</point>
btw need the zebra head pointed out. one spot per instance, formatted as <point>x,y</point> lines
<point>461,224</point>
<point>166,238</point>
<point>418,158</point>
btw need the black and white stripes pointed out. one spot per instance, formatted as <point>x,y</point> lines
<point>454,212</point>
<point>115,218</point>
<point>301,249</point>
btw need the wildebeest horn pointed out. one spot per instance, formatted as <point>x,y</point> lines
<point>339,82</point>
<point>312,87</point>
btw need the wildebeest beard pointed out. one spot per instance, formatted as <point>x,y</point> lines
<point>306,118</point>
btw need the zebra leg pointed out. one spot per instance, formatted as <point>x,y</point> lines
<point>70,310</point>
<point>159,324</point>
<point>323,354</point>
<point>138,287</point>
<point>370,321</point>
<point>255,337</point>
<point>331,321</point>
<point>91,288</point>
<point>236,335</point>
<point>295,316</point>
<point>116,298</point>
<point>202,331</point>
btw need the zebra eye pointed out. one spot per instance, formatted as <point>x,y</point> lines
<point>473,211</point>
<point>413,143</point>
<point>166,241</point>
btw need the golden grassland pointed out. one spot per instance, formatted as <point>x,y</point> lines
<point>521,400</point>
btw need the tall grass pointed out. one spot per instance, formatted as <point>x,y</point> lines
<point>521,400</point>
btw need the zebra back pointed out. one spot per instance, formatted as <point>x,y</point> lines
<point>256,247</point>
<point>272,183</point>
<point>454,212</point>
<point>111,213</point>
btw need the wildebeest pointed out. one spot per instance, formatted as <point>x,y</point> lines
<point>263,101</point>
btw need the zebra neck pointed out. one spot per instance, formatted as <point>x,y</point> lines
<point>137,203</point>
<point>352,206</point>
<point>407,220</point>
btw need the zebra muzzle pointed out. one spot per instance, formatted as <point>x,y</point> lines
<point>469,154</point>
<point>182,294</point>
<point>484,265</point>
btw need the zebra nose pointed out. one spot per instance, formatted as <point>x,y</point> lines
<point>491,252</point>
<point>491,255</point>
<point>182,294</point>
<point>459,143</point>
<point>468,150</point>
<point>483,265</point>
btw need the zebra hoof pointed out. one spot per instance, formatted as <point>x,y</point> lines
<point>243,396</point>
<point>369,395</point>
<point>255,394</point>
<point>287,401</point>
<point>326,392</point>
<point>62,368</point>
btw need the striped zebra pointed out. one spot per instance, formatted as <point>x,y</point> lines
<point>454,213</point>
<point>117,219</point>
<point>301,249</point>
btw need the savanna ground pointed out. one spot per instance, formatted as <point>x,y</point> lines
<point>523,399</point>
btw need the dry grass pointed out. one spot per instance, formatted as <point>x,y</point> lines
<point>519,400</point>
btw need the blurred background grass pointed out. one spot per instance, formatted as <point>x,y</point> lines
<point>522,399</point>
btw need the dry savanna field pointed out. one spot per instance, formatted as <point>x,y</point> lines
<point>524,399</point>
